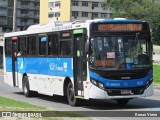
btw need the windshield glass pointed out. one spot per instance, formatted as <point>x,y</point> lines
<point>121,52</point>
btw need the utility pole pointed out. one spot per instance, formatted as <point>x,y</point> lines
<point>15,16</point>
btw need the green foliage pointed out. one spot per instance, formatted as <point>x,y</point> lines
<point>156,75</point>
<point>147,10</point>
<point>9,104</point>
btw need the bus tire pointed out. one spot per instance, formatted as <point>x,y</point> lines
<point>26,88</point>
<point>122,101</point>
<point>71,95</point>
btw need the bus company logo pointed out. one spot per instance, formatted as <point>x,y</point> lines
<point>115,84</point>
<point>52,66</point>
<point>125,83</point>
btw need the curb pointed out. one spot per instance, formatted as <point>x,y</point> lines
<point>157,87</point>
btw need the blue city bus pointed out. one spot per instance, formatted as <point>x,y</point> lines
<point>93,59</point>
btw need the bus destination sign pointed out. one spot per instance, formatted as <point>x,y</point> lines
<point>119,27</point>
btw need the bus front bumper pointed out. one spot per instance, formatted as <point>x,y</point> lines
<point>97,93</point>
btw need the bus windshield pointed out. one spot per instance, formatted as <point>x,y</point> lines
<point>119,52</point>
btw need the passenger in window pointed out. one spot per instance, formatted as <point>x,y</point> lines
<point>19,53</point>
<point>24,51</point>
<point>62,53</point>
<point>30,52</point>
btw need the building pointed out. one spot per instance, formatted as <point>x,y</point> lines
<point>71,10</point>
<point>27,14</point>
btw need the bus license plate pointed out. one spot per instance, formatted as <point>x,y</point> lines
<point>126,92</point>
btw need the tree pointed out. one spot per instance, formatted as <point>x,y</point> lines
<point>147,10</point>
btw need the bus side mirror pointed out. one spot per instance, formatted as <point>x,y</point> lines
<point>87,47</point>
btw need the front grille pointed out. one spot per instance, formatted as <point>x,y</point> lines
<point>119,74</point>
<point>118,92</point>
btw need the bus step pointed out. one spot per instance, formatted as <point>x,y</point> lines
<point>81,97</point>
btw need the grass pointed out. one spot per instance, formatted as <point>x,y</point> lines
<point>156,74</point>
<point>7,104</point>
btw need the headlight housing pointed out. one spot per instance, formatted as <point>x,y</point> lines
<point>148,83</point>
<point>98,84</point>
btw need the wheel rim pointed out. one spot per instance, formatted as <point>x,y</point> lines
<point>71,95</point>
<point>25,89</point>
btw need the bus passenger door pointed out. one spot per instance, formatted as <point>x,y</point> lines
<point>79,61</point>
<point>14,60</point>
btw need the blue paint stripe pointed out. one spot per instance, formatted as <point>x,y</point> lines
<point>108,83</point>
<point>44,66</point>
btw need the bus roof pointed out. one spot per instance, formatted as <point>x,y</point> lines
<point>50,27</point>
<point>58,26</point>
<point>121,20</point>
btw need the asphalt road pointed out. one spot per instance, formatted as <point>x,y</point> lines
<point>60,103</point>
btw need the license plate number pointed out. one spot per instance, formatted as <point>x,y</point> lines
<point>126,92</point>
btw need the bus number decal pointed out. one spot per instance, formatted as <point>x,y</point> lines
<point>52,66</point>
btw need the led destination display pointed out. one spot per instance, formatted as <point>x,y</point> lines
<point>119,27</point>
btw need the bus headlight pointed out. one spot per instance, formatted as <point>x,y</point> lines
<point>98,84</point>
<point>101,86</point>
<point>94,82</point>
<point>149,82</point>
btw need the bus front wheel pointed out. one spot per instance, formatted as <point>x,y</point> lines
<point>71,95</point>
<point>122,101</point>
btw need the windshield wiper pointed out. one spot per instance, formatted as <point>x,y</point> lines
<point>137,36</point>
<point>136,40</point>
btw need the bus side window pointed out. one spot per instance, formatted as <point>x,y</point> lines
<point>65,47</point>
<point>22,46</point>
<point>42,45</point>
<point>31,45</point>
<point>53,44</point>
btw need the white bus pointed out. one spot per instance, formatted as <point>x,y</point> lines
<point>95,59</point>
